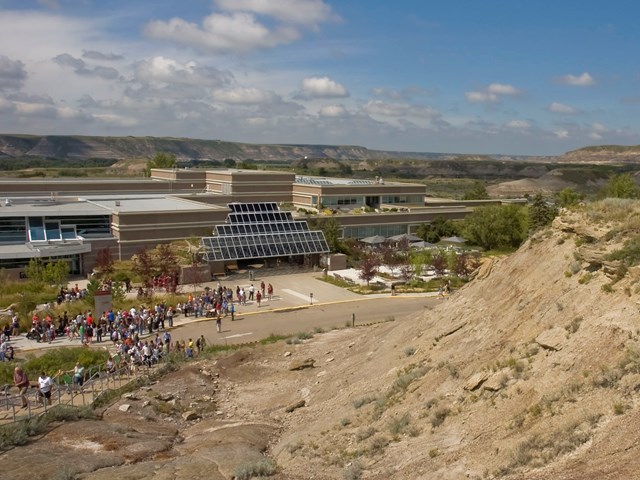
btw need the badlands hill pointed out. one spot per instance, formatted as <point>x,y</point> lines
<point>531,371</point>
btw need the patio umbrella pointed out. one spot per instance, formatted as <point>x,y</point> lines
<point>405,236</point>
<point>453,240</point>
<point>374,240</point>
<point>421,244</point>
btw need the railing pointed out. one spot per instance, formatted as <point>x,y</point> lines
<point>67,393</point>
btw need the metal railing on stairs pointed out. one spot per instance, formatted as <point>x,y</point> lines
<point>66,392</point>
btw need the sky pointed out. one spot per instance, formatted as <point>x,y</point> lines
<point>516,77</point>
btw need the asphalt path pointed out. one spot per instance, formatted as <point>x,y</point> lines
<point>301,303</point>
<point>259,322</point>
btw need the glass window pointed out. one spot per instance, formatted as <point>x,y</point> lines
<point>36,229</point>
<point>52,230</point>
<point>13,230</point>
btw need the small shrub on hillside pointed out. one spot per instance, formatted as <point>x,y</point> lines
<point>364,433</point>
<point>574,325</point>
<point>439,415</point>
<point>359,402</point>
<point>378,444</point>
<point>584,279</point>
<point>353,471</point>
<point>398,425</point>
<point>409,351</point>
<point>607,288</point>
<point>261,468</point>
<point>619,408</point>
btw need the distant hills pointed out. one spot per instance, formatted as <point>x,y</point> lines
<point>72,147</point>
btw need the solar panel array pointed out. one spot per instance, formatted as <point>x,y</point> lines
<point>260,230</point>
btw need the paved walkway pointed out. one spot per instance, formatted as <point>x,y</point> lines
<point>291,291</point>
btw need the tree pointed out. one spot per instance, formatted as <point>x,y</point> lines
<point>496,226</point>
<point>621,186</point>
<point>331,229</point>
<point>419,260</point>
<point>369,267</point>
<point>143,267</point>
<point>168,264</point>
<point>229,163</point>
<point>248,165</point>
<point>104,262</point>
<point>465,264</point>
<point>477,192</point>
<point>35,271</point>
<point>57,273</point>
<point>161,160</point>
<point>568,197</point>
<point>438,228</point>
<point>541,213</point>
<point>439,263</point>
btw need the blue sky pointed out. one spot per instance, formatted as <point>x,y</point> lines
<point>465,76</point>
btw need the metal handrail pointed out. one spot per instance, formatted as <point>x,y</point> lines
<point>98,381</point>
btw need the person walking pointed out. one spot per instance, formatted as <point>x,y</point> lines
<point>21,380</point>
<point>44,388</point>
<point>232,311</point>
<point>258,297</point>
<point>219,324</point>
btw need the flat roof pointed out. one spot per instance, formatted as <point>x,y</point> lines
<point>25,207</point>
<point>128,204</point>
<point>100,205</point>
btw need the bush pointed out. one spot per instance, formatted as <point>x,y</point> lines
<point>364,433</point>
<point>439,416</point>
<point>353,471</point>
<point>262,468</point>
<point>398,425</point>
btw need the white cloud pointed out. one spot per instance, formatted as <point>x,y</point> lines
<point>333,111</point>
<point>322,87</point>
<point>161,69</point>
<point>116,120</point>
<point>503,89</point>
<point>561,133</point>
<point>557,107</point>
<point>492,93</point>
<point>595,136</point>
<point>518,124</point>
<point>481,97</point>
<point>219,33</point>
<point>598,127</point>
<point>584,80</point>
<point>303,12</point>
<point>243,96</point>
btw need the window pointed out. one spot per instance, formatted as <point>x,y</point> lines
<point>36,229</point>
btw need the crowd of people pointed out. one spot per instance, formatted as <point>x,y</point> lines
<point>125,329</point>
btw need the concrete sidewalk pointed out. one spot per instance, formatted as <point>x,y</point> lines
<point>290,292</point>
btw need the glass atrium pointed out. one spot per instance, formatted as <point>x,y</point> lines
<point>261,230</point>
